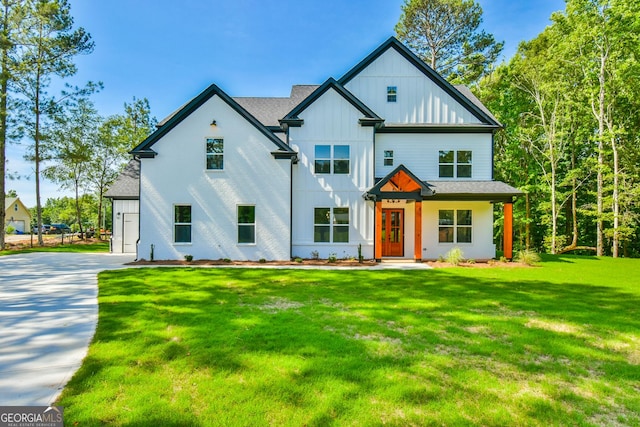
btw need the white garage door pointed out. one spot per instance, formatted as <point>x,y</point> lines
<point>18,225</point>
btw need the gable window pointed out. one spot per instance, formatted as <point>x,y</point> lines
<point>454,164</point>
<point>246,224</point>
<point>332,159</point>
<point>388,157</point>
<point>392,93</point>
<point>182,224</point>
<point>454,226</point>
<point>15,207</point>
<point>331,225</point>
<point>215,153</point>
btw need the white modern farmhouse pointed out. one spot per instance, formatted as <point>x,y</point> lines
<point>390,159</point>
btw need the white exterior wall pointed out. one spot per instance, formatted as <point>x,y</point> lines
<point>119,208</point>
<point>481,246</point>
<point>419,99</point>
<point>419,153</point>
<point>331,120</point>
<point>251,176</point>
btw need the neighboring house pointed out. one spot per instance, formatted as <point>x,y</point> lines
<point>17,215</point>
<point>390,159</point>
<point>125,207</point>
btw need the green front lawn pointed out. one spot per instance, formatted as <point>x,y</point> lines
<point>77,246</point>
<point>553,345</point>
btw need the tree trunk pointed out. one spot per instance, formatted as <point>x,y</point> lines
<point>616,199</point>
<point>4,78</point>
<point>37,159</point>
<point>527,229</point>
<point>600,190</point>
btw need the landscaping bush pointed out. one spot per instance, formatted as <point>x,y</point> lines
<point>455,256</point>
<point>528,257</point>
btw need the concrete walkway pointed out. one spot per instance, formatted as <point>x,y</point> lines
<point>48,315</point>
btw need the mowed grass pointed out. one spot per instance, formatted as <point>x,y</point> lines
<point>557,344</point>
<point>98,246</point>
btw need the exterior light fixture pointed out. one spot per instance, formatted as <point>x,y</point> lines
<point>213,122</point>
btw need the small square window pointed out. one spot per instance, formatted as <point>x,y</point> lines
<point>388,157</point>
<point>392,93</point>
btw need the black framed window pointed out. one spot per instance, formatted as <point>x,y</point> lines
<point>215,153</point>
<point>246,224</point>
<point>182,223</point>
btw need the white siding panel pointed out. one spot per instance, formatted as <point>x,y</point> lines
<point>419,99</point>
<point>251,176</point>
<point>419,153</point>
<point>331,120</point>
<point>482,246</point>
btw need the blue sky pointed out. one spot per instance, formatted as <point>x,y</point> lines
<point>169,51</point>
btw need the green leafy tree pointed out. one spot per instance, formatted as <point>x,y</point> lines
<point>50,47</point>
<point>447,35</point>
<point>73,137</point>
<point>117,135</point>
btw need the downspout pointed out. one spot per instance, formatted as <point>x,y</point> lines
<point>137,159</point>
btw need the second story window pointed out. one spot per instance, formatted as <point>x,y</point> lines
<point>454,164</point>
<point>332,159</point>
<point>215,153</point>
<point>392,93</point>
<point>388,157</point>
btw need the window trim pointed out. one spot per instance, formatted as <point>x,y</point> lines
<point>392,94</point>
<point>455,164</point>
<point>387,159</point>
<point>246,224</point>
<point>332,159</point>
<point>213,154</point>
<point>176,223</point>
<point>332,224</point>
<point>455,226</point>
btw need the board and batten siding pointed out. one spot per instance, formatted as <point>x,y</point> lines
<point>419,99</point>
<point>332,120</point>
<point>120,208</point>
<point>251,176</point>
<point>419,153</point>
<point>481,247</point>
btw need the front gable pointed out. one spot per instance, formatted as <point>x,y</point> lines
<point>423,97</point>
<point>144,149</point>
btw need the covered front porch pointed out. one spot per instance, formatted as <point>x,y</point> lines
<point>418,220</point>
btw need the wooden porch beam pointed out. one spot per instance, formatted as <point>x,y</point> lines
<point>417,251</point>
<point>508,231</point>
<point>377,237</point>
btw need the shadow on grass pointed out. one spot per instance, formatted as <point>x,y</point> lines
<point>320,346</point>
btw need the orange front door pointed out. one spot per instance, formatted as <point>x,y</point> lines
<point>392,232</point>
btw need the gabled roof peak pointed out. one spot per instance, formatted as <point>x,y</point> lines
<point>392,43</point>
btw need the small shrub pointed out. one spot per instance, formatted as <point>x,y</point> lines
<point>10,229</point>
<point>471,261</point>
<point>504,259</point>
<point>188,258</point>
<point>151,254</point>
<point>262,261</point>
<point>440,258</point>
<point>332,257</point>
<point>298,260</point>
<point>454,256</point>
<point>360,253</point>
<point>315,255</point>
<point>528,257</point>
<point>226,260</point>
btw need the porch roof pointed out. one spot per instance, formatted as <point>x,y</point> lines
<point>401,183</point>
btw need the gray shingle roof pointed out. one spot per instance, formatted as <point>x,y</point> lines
<point>269,110</point>
<point>127,185</point>
<point>472,189</point>
<point>471,97</point>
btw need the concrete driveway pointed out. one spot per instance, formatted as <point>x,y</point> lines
<point>48,315</point>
